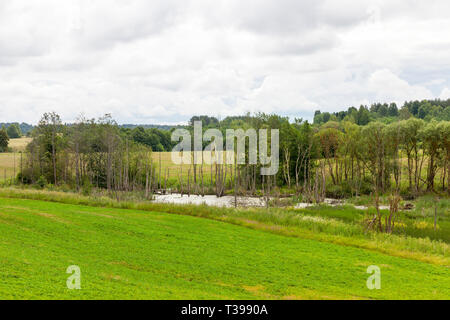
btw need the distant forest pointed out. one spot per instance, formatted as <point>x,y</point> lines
<point>25,128</point>
<point>426,110</point>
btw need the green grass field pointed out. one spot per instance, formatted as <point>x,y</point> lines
<point>133,254</point>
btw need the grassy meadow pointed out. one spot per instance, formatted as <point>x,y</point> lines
<point>139,249</point>
<point>146,254</point>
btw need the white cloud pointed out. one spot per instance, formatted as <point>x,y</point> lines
<point>387,86</point>
<point>445,94</point>
<point>164,61</point>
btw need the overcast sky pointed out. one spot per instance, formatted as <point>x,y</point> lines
<point>164,61</point>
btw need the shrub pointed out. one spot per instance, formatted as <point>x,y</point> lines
<point>334,191</point>
<point>41,182</point>
<point>86,189</point>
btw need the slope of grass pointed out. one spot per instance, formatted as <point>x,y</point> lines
<point>316,223</point>
<point>140,254</point>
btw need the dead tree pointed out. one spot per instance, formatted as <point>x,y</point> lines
<point>189,182</point>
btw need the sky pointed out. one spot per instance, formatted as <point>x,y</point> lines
<point>161,62</point>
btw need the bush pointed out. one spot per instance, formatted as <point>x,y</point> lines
<point>86,189</point>
<point>24,177</point>
<point>334,191</point>
<point>41,182</point>
<point>366,187</point>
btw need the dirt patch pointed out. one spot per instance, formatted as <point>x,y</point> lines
<point>110,276</point>
<point>52,217</point>
<point>258,291</point>
<point>98,214</point>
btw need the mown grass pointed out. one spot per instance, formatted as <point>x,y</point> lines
<point>134,254</point>
<point>323,224</point>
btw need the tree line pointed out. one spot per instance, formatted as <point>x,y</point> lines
<point>426,109</point>
<point>342,158</point>
<point>89,153</point>
<point>11,131</point>
<point>335,159</point>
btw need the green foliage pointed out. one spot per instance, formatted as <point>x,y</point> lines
<point>388,113</point>
<point>41,182</point>
<point>4,140</point>
<point>14,131</point>
<point>88,150</point>
<point>158,140</point>
<point>24,128</point>
<point>363,116</point>
<point>393,110</point>
<point>87,187</point>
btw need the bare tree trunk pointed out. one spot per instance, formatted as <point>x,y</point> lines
<point>203,185</point>
<point>297,171</point>
<point>14,169</point>
<point>181,179</point>
<point>54,155</point>
<point>146,181</point>
<point>159,178</point>
<point>167,178</point>
<point>77,166</point>
<point>254,180</point>
<point>235,182</point>
<point>323,182</point>
<point>189,182</point>
<point>331,171</point>
<point>287,170</point>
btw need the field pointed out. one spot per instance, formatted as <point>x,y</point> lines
<point>174,170</point>
<point>10,162</point>
<point>7,162</point>
<point>148,254</point>
<point>12,159</point>
<point>20,144</point>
